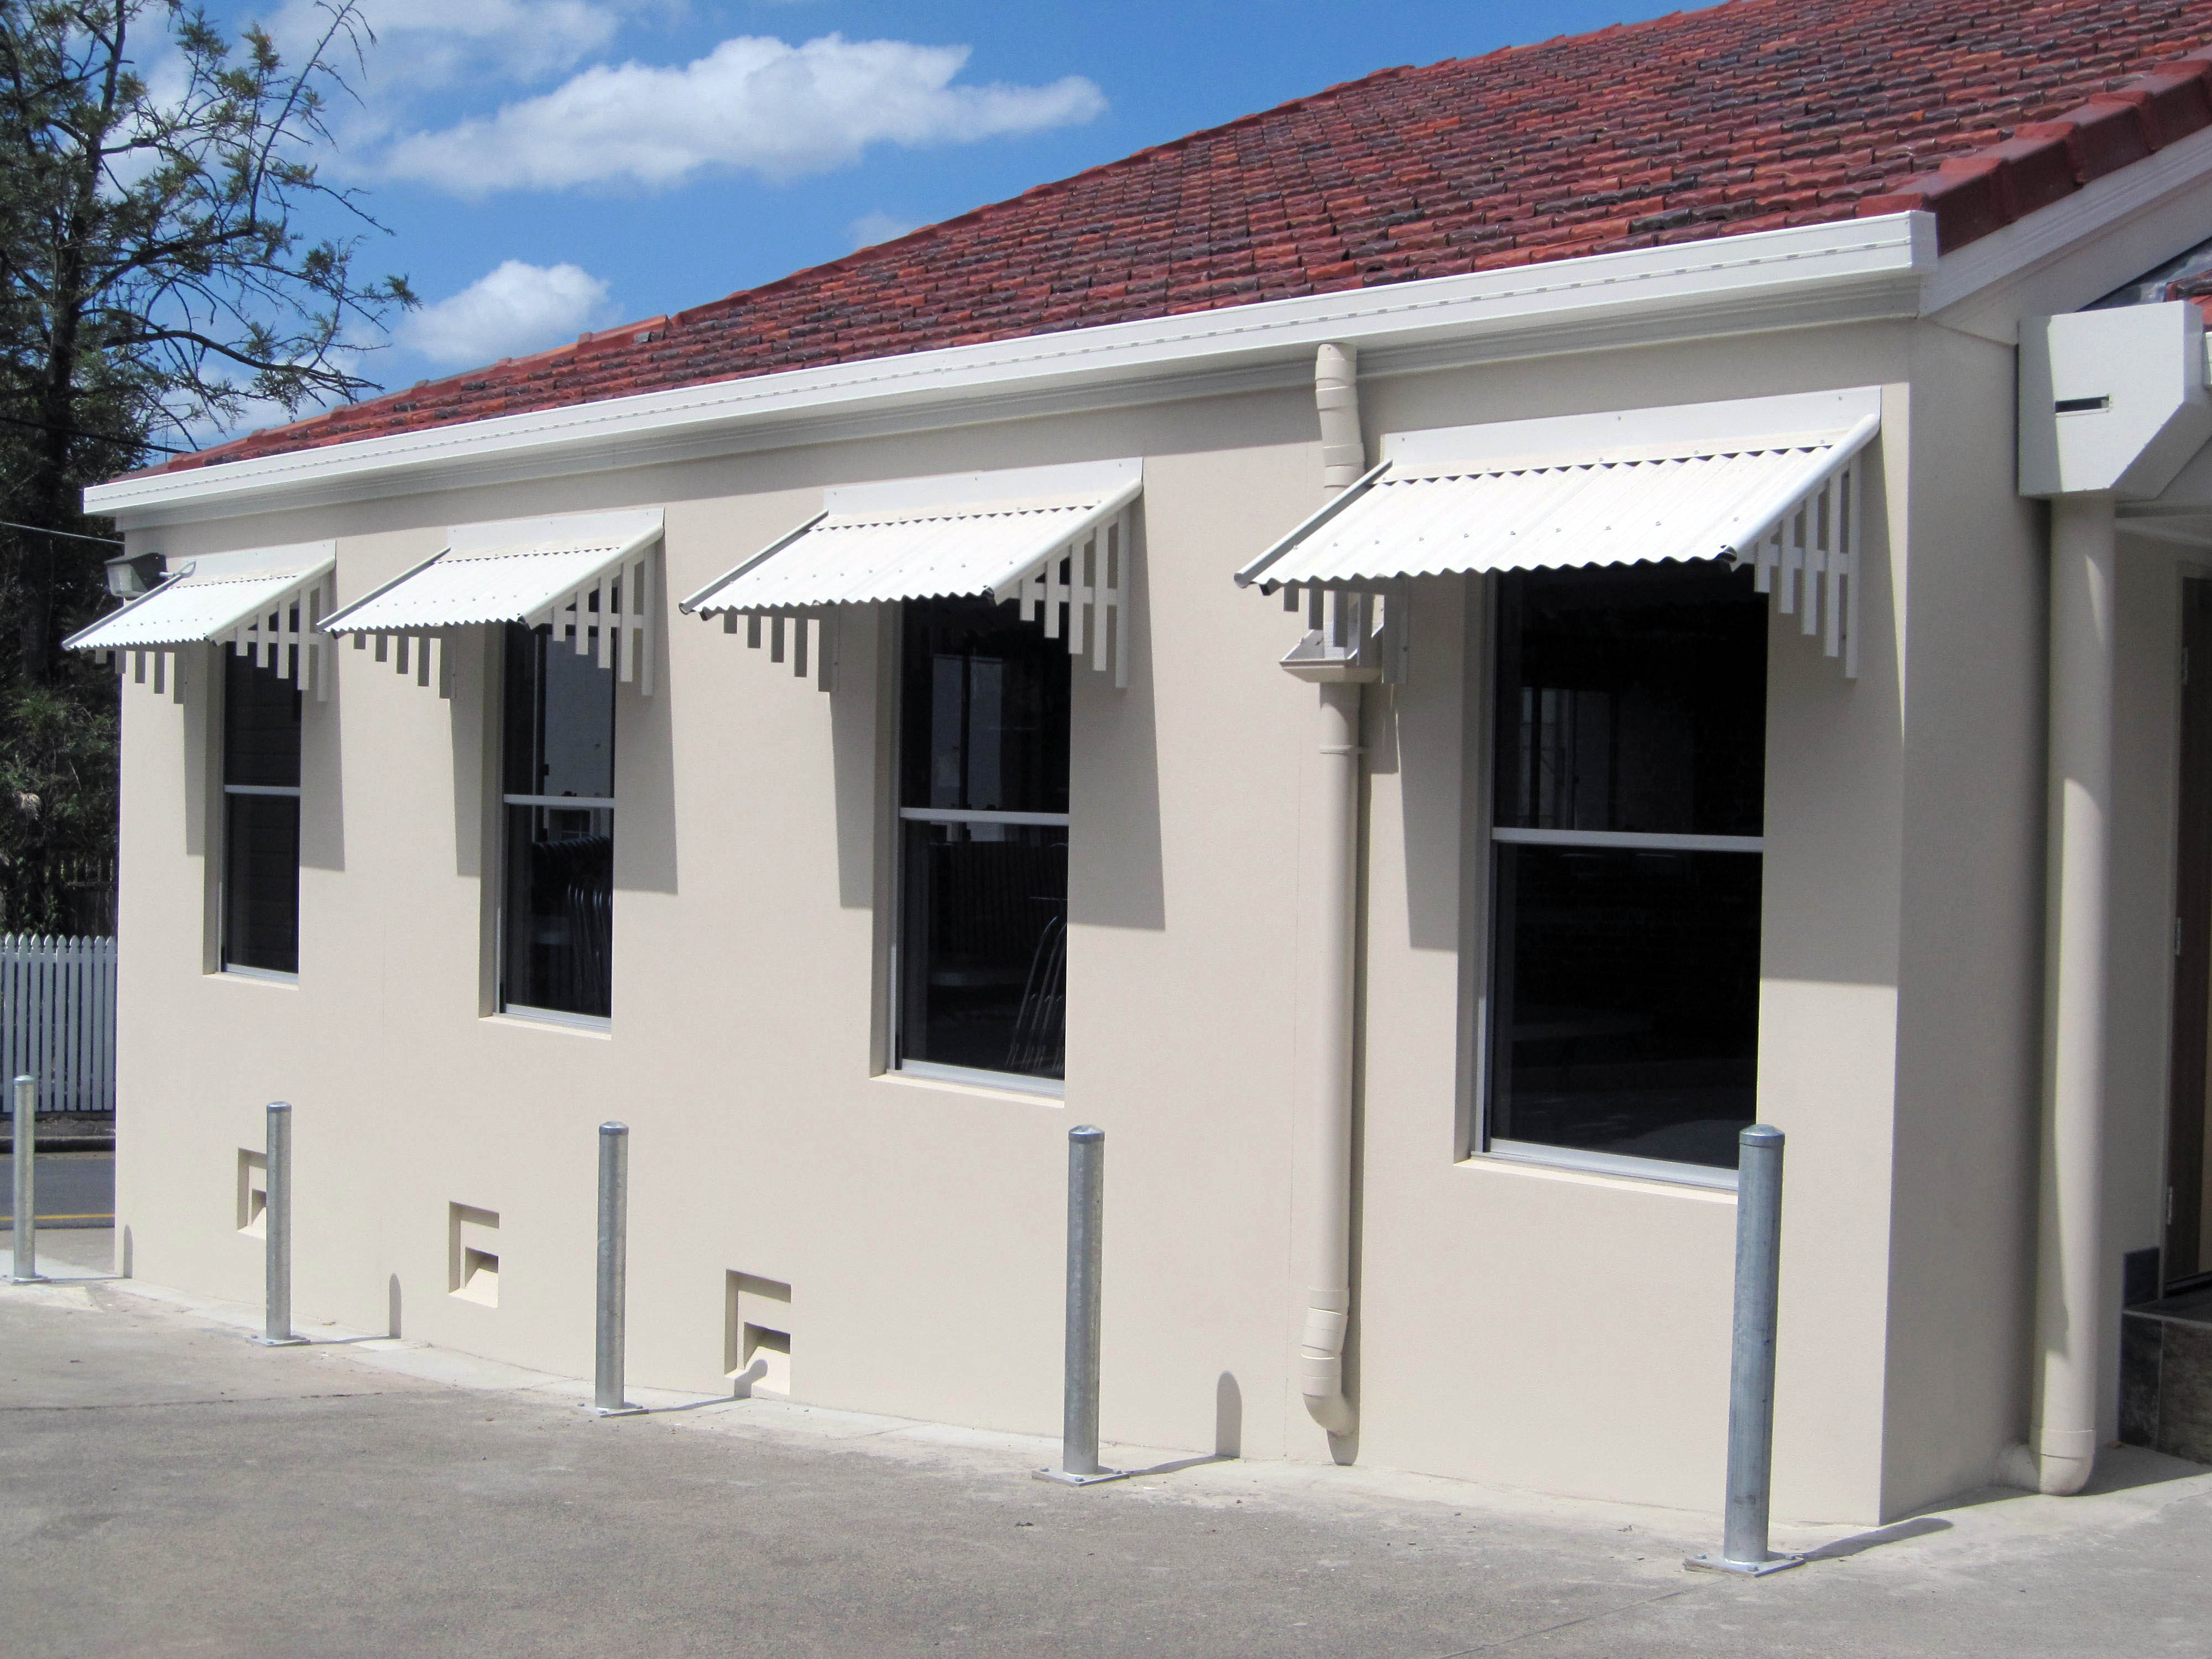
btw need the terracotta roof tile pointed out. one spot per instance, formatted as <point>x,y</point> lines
<point>1748,116</point>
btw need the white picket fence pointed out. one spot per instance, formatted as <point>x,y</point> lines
<point>57,1019</point>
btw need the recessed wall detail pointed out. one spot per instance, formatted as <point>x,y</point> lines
<point>756,1338</point>
<point>472,1253</point>
<point>252,1193</point>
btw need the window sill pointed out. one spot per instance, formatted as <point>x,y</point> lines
<point>598,1025</point>
<point>1602,1169</point>
<point>959,1079</point>
<point>257,976</point>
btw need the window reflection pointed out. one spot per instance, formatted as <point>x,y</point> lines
<point>1627,987</point>
<point>1631,700</point>
<point>557,924</point>
<point>1624,979</point>
<point>983,841</point>
<point>261,818</point>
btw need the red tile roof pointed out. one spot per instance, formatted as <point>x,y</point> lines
<point>1749,116</point>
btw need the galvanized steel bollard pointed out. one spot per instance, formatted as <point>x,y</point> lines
<point>26,1222</point>
<point>1086,1205</point>
<point>614,1225</point>
<point>1751,1369</point>
<point>276,1229</point>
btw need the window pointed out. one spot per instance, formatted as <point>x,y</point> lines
<point>1628,802</point>
<point>557,924</point>
<point>260,817</point>
<point>982,963</point>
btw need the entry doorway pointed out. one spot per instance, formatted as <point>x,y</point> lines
<point>2187,1257</point>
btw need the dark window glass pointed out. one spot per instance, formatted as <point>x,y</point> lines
<point>1627,990</point>
<point>261,818</point>
<point>1631,699</point>
<point>983,949</point>
<point>560,710</point>
<point>1626,979</point>
<point>558,922</point>
<point>984,710</point>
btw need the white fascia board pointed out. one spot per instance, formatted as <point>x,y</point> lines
<point>1850,270</point>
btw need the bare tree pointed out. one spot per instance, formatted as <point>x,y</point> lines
<point>155,281</point>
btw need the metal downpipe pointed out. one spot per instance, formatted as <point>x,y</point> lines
<point>1325,1155</point>
<point>2069,1314</point>
<point>1325,1081</point>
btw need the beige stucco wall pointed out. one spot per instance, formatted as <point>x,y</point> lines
<point>1544,1328</point>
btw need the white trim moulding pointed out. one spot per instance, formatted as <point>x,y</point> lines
<point>1851,270</point>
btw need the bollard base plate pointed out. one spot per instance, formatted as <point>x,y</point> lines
<point>623,1410</point>
<point>1744,1569</point>
<point>28,1279</point>
<point>1061,1477</point>
<point>279,1341</point>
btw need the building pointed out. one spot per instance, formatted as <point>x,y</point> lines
<point>1693,711</point>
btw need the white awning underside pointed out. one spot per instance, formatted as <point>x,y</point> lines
<point>266,602</point>
<point>534,572</point>
<point>1786,504</point>
<point>1048,552</point>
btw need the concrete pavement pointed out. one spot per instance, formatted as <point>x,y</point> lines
<point>168,1488</point>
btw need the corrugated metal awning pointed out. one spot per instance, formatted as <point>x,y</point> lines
<point>1786,504</point>
<point>265,600</point>
<point>565,571</point>
<point>949,537</point>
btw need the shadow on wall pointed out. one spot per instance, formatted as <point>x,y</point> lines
<point>475,746</point>
<point>1417,731</point>
<point>862,735</point>
<point>322,773</point>
<point>203,693</point>
<point>1118,881</point>
<point>1228,1417</point>
<point>645,842</point>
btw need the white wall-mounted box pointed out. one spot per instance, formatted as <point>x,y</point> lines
<point>2112,401</point>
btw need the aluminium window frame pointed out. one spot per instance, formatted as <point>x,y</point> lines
<point>1478,942</point>
<point>895,1065</point>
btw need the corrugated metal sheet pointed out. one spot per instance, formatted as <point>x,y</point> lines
<point>850,558</point>
<point>1536,515</point>
<point>456,589</point>
<point>192,609</point>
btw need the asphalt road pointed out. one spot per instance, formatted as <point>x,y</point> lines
<point>75,1190</point>
<point>172,1489</point>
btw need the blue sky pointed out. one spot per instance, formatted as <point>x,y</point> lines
<point>550,166</point>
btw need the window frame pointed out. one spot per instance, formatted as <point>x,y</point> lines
<point>896,1064</point>
<point>225,791</point>
<point>503,806</point>
<point>1485,617</point>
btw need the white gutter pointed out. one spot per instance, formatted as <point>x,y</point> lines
<point>1851,270</point>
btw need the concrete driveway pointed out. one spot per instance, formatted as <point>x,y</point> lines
<point>172,1489</point>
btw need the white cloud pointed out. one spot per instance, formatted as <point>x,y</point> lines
<point>515,309</point>
<point>754,104</point>
<point>422,45</point>
<point>879,227</point>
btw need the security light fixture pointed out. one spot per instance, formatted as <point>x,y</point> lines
<point>133,574</point>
